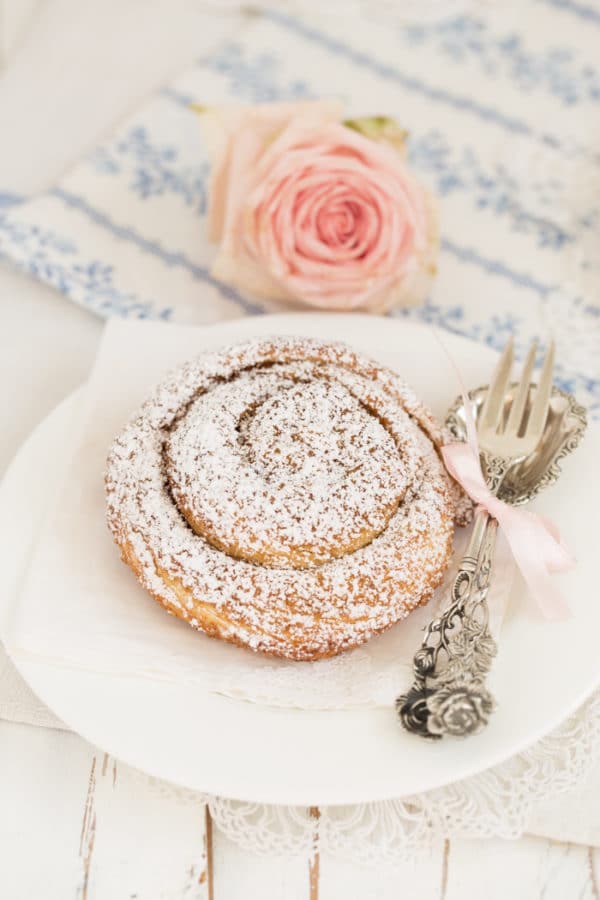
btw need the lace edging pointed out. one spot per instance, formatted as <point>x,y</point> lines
<point>495,803</point>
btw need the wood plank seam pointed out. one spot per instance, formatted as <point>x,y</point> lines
<point>314,862</point>
<point>592,871</point>
<point>445,857</point>
<point>88,832</point>
<point>208,874</point>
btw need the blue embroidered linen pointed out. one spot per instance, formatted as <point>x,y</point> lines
<point>500,103</point>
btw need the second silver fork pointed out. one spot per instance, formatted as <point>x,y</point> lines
<point>449,695</point>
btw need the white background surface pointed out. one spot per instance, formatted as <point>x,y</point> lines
<point>74,823</point>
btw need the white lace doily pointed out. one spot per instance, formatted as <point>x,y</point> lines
<point>495,803</point>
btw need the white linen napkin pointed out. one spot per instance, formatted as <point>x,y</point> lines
<point>81,607</point>
<point>18,703</point>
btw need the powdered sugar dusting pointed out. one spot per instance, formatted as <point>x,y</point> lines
<point>285,494</point>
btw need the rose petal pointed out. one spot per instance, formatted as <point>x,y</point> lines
<point>309,209</point>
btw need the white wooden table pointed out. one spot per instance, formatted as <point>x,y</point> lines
<point>75,823</point>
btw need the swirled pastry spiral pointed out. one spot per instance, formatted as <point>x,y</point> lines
<point>284,494</point>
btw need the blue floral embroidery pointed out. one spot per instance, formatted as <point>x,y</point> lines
<point>494,332</point>
<point>7,198</point>
<point>186,100</point>
<point>555,71</point>
<point>581,10</point>
<point>170,258</point>
<point>452,169</point>
<point>154,168</point>
<point>582,386</point>
<point>256,79</point>
<point>495,267</point>
<point>56,262</point>
<point>493,189</point>
<point>435,93</point>
<point>31,239</point>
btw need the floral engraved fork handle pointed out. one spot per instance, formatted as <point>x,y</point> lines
<point>448,695</point>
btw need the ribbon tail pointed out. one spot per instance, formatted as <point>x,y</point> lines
<point>462,462</point>
<point>569,561</point>
<point>534,541</point>
<point>538,552</point>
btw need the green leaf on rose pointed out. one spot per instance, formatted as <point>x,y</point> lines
<point>380,128</point>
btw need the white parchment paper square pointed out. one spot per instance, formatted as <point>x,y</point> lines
<point>82,607</point>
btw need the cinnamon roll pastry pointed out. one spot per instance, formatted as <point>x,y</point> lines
<point>284,494</point>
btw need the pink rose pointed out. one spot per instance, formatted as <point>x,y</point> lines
<point>309,210</point>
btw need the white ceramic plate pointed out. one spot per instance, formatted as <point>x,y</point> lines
<point>253,752</point>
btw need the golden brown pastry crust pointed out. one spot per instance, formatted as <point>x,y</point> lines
<point>285,495</point>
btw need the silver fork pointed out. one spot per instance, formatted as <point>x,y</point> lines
<point>448,695</point>
<point>507,438</point>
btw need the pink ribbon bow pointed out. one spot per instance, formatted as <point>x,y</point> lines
<point>534,541</point>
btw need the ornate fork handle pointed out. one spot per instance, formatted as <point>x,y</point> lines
<point>448,694</point>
